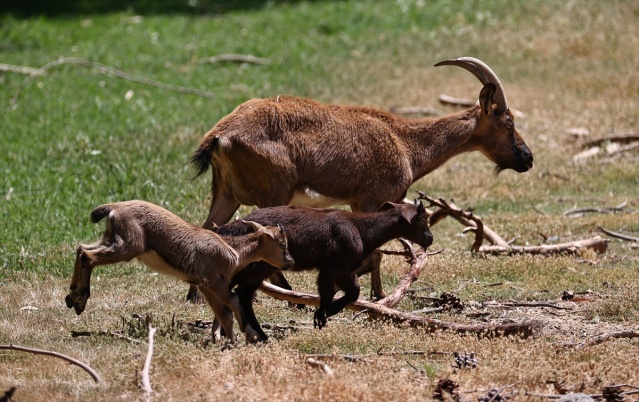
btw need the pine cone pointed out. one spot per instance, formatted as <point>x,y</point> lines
<point>466,360</point>
<point>449,301</point>
<point>612,394</point>
<point>493,395</point>
<point>446,390</point>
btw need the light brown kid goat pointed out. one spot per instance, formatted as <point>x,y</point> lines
<point>288,150</point>
<point>168,245</point>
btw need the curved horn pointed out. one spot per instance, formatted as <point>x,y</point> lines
<point>485,75</point>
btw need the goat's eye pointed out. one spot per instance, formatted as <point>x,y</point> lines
<point>282,246</point>
<point>510,125</point>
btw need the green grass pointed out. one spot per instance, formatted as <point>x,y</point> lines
<point>73,141</point>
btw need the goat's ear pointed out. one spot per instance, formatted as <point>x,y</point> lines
<point>256,226</point>
<point>409,212</point>
<point>387,205</point>
<point>486,98</point>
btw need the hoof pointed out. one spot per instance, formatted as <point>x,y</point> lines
<point>69,301</point>
<point>319,319</point>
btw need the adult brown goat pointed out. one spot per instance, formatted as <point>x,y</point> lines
<point>288,150</point>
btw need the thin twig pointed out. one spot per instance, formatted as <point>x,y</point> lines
<point>523,304</point>
<point>611,335</point>
<point>618,235</point>
<point>101,68</point>
<point>146,382</point>
<point>71,360</point>
<point>605,210</point>
<point>627,137</point>
<point>416,110</point>
<point>237,58</point>
<point>350,358</point>
<point>76,334</point>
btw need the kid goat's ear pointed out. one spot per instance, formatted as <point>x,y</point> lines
<point>256,226</point>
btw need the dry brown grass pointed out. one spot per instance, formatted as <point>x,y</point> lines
<point>568,65</point>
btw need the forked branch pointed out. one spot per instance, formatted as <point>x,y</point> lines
<point>499,245</point>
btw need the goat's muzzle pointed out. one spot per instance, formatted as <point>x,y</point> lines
<point>525,159</point>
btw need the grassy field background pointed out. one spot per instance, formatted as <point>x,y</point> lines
<point>75,138</point>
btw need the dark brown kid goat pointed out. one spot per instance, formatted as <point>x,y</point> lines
<point>333,241</point>
<point>168,245</point>
<point>288,150</point>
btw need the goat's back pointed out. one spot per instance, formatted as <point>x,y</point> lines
<point>314,235</point>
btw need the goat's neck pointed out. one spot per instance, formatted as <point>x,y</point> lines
<point>431,142</point>
<point>247,248</point>
<point>378,228</point>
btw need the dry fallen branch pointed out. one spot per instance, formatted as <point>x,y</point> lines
<point>499,245</point>
<point>144,374</point>
<point>604,210</point>
<point>623,138</point>
<point>377,311</point>
<point>17,69</point>
<point>596,244</point>
<point>451,100</point>
<point>618,235</point>
<point>596,340</point>
<point>103,69</point>
<point>321,365</point>
<point>76,334</point>
<point>428,111</point>
<point>473,223</point>
<point>335,356</point>
<point>237,58</point>
<point>417,263</point>
<point>524,304</point>
<point>71,360</point>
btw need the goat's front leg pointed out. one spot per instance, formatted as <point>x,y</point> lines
<point>223,316</point>
<point>326,290</point>
<point>245,293</point>
<point>223,293</point>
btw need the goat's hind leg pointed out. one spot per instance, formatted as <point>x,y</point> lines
<point>349,284</point>
<point>372,264</point>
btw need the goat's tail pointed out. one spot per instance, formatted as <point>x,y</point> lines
<point>100,212</point>
<point>201,158</point>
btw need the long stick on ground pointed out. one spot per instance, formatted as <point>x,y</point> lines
<point>71,360</point>
<point>596,243</point>
<point>377,311</point>
<point>101,68</point>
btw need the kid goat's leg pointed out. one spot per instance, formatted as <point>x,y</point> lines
<point>326,290</point>
<point>87,258</point>
<point>231,300</point>
<point>349,284</point>
<point>223,315</point>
